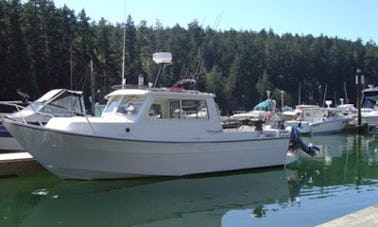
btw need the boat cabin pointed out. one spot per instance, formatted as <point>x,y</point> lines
<point>158,104</point>
<point>159,113</point>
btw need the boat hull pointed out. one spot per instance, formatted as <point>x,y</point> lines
<point>7,142</point>
<point>302,126</point>
<point>78,156</point>
<point>324,127</point>
<point>371,118</point>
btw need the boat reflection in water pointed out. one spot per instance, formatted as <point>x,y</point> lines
<point>341,148</point>
<point>342,179</point>
<point>197,201</point>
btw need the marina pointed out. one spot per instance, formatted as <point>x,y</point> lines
<point>98,129</point>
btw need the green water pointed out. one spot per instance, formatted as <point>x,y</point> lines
<point>342,179</point>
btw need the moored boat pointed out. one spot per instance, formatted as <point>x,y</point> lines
<point>54,103</point>
<point>149,132</point>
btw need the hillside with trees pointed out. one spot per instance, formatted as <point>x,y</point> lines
<point>44,47</point>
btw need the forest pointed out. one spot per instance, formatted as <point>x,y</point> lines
<point>44,47</point>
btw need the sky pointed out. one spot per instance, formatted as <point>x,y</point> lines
<point>344,19</point>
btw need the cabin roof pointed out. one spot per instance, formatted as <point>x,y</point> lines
<point>174,92</point>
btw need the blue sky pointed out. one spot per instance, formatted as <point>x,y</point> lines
<point>346,19</point>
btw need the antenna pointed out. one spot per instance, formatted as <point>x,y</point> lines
<point>123,52</point>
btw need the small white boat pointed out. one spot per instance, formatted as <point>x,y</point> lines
<point>54,103</point>
<point>325,120</point>
<point>295,118</point>
<point>149,132</point>
<point>57,102</point>
<point>262,111</point>
<point>369,105</point>
<point>317,120</point>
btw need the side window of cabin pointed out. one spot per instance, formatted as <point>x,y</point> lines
<point>164,108</point>
<point>188,109</point>
<point>175,110</point>
<point>159,109</point>
<point>195,109</point>
<point>155,111</point>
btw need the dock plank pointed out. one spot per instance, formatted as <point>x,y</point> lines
<point>17,163</point>
<point>366,217</point>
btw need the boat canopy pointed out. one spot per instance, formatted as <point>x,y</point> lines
<point>266,105</point>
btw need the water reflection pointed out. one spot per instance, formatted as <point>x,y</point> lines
<point>342,179</point>
<point>196,201</point>
<point>355,156</point>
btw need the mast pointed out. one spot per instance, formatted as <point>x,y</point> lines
<point>324,95</point>
<point>299,94</point>
<point>123,58</point>
<point>124,50</point>
<point>345,93</point>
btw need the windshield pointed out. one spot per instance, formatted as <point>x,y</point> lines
<point>113,104</point>
<point>129,105</point>
<point>35,107</point>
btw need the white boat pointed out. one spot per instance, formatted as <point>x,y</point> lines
<point>369,105</point>
<point>295,118</point>
<point>57,102</point>
<point>54,103</point>
<point>325,120</point>
<point>312,119</point>
<point>149,132</point>
<point>262,111</point>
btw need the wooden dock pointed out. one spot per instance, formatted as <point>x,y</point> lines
<point>17,163</point>
<point>366,217</point>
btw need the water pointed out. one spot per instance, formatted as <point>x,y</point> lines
<point>343,179</point>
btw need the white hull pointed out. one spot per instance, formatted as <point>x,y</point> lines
<point>70,155</point>
<point>9,144</point>
<point>329,126</point>
<point>370,118</point>
<point>304,128</point>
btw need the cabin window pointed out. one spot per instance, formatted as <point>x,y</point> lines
<point>188,109</point>
<point>176,110</point>
<point>195,109</point>
<point>155,111</point>
<point>165,108</point>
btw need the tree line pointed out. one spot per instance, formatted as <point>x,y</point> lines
<point>44,47</point>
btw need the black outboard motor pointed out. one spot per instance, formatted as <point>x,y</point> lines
<point>296,142</point>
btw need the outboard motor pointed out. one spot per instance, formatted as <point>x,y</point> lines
<point>296,143</point>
